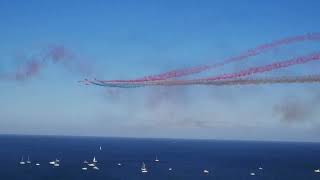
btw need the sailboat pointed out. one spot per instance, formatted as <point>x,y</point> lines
<point>100,148</point>
<point>28,161</point>
<point>22,162</point>
<point>143,168</point>
<point>206,171</point>
<point>55,163</point>
<point>91,165</point>
<point>94,160</point>
<point>156,160</point>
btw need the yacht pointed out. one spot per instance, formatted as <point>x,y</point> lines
<point>55,162</point>
<point>94,160</point>
<point>260,168</point>
<point>317,170</point>
<point>91,165</point>
<point>22,162</point>
<point>95,168</point>
<point>37,164</point>
<point>119,164</point>
<point>143,168</point>
<point>170,169</point>
<point>100,148</point>
<point>84,168</point>
<point>85,162</point>
<point>28,161</point>
<point>206,171</point>
<point>252,174</point>
<point>156,160</point>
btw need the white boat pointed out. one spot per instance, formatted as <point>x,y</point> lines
<point>252,174</point>
<point>37,164</point>
<point>170,169</point>
<point>260,168</point>
<point>143,168</point>
<point>156,160</point>
<point>95,168</point>
<point>94,160</point>
<point>206,171</point>
<point>119,164</point>
<point>28,161</point>
<point>317,170</point>
<point>100,148</point>
<point>55,162</point>
<point>84,168</point>
<point>85,162</point>
<point>91,165</point>
<point>22,162</point>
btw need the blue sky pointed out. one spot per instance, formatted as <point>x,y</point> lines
<point>128,39</point>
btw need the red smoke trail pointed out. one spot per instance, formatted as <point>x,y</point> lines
<point>234,82</point>
<point>243,73</point>
<point>55,54</point>
<point>29,69</point>
<point>251,52</point>
<point>243,81</point>
<point>269,67</point>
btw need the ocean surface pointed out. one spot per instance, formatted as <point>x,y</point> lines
<point>225,160</point>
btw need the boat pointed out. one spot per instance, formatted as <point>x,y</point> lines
<point>37,164</point>
<point>143,168</point>
<point>252,174</point>
<point>206,171</point>
<point>28,161</point>
<point>94,160</point>
<point>156,160</point>
<point>100,148</point>
<point>170,169</point>
<point>95,168</point>
<point>85,162</point>
<point>260,168</point>
<point>22,162</point>
<point>55,163</point>
<point>317,170</point>
<point>119,164</point>
<point>91,165</point>
<point>84,168</point>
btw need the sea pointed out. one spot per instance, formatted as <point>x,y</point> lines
<point>225,160</point>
